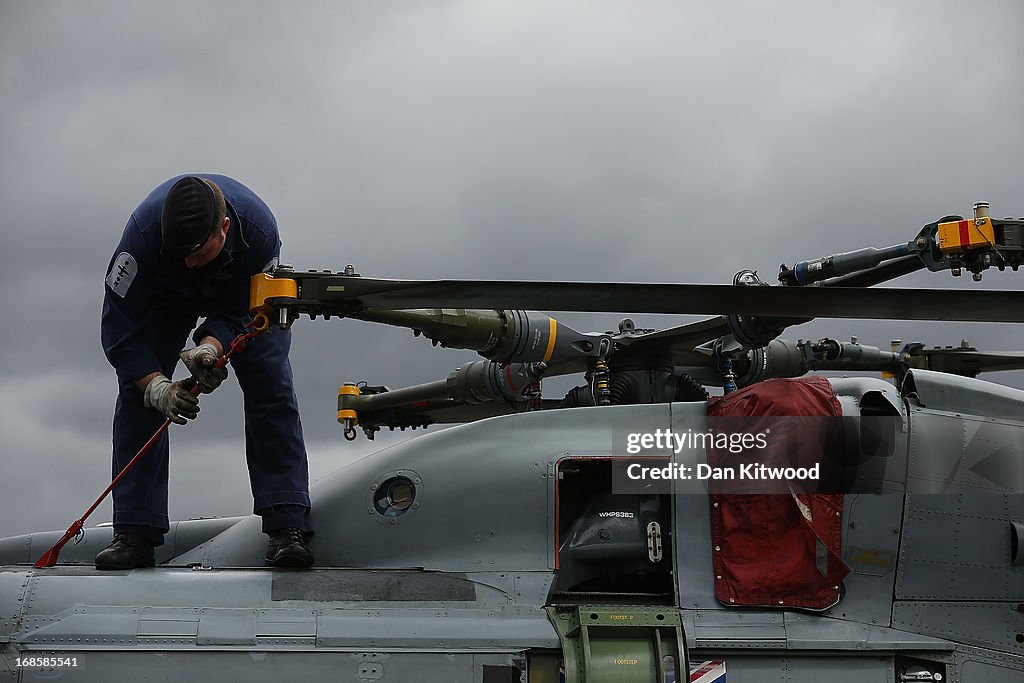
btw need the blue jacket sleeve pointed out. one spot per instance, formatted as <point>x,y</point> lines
<point>127,298</point>
<point>230,313</point>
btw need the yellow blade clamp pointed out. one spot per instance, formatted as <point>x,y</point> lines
<point>262,287</point>
<point>961,236</point>
<point>346,416</point>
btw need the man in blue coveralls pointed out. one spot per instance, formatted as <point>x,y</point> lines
<point>187,252</point>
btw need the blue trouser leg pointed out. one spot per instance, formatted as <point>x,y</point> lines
<point>140,499</point>
<point>274,448</point>
<point>275,452</point>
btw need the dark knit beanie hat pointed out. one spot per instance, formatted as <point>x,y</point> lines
<point>189,216</point>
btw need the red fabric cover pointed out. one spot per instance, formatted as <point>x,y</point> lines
<point>766,551</point>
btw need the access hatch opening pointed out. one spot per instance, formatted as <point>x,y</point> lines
<point>609,545</point>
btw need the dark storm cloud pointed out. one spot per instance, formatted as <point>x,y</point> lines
<point>570,140</point>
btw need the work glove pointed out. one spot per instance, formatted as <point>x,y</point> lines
<point>172,399</point>
<point>201,362</point>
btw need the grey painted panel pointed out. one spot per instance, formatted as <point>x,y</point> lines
<point>158,628</point>
<point>694,577</point>
<point>16,550</point>
<point>985,546</point>
<point>695,585</point>
<point>434,629</point>
<point>372,586</point>
<point>942,391</point>
<point>84,627</point>
<point>227,627</point>
<point>871,540</point>
<point>180,537</point>
<point>764,668</point>
<point>286,623</point>
<point>531,588</point>
<point>416,629</point>
<point>997,507</point>
<point>711,627</point>
<point>180,608</point>
<point>840,670</point>
<point>13,589</point>
<point>976,665</point>
<point>983,672</point>
<point>959,453</point>
<point>57,589</point>
<point>994,454</point>
<point>189,533</point>
<point>812,632</point>
<point>871,549</point>
<point>746,629</point>
<point>274,667</point>
<point>61,590</point>
<point>958,548</point>
<point>985,624</point>
<point>935,451</point>
<point>928,536</point>
<point>92,541</point>
<point>867,599</point>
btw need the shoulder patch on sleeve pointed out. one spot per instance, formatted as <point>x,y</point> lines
<point>122,274</point>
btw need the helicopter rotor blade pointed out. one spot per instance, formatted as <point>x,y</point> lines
<point>341,295</point>
<point>967,362</point>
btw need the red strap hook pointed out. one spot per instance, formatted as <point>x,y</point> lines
<point>260,324</point>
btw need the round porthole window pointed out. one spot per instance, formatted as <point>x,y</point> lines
<point>394,497</point>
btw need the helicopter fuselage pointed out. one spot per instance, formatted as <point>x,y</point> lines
<point>479,553</point>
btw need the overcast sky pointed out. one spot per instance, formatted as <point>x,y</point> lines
<point>622,141</point>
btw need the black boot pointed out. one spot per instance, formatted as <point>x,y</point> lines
<point>287,548</point>
<point>126,552</point>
